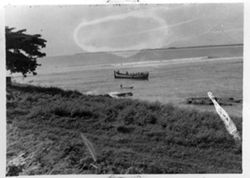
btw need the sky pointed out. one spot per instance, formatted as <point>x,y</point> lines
<point>93,28</point>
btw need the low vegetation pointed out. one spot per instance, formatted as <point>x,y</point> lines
<point>65,132</point>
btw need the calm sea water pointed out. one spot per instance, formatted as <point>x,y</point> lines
<point>170,80</point>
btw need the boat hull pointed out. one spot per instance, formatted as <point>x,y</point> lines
<point>136,76</point>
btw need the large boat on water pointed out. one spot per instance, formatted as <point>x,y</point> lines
<point>126,75</point>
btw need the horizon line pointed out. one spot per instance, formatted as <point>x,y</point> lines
<point>164,48</point>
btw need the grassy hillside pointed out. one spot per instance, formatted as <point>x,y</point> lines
<point>44,127</point>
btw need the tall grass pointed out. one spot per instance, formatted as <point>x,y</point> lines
<point>132,135</point>
<point>45,90</point>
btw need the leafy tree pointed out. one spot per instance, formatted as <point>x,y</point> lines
<point>22,50</point>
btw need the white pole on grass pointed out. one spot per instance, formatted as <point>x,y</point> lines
<point>229,124</point>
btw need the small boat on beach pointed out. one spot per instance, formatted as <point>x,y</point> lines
<point>120,94</point>
<point>137,75</point>
<point>126,87</point>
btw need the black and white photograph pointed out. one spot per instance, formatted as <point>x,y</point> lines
<point>124,89</point>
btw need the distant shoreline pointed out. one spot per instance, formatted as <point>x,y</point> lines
<point>152,49</point>
<point>204,46</point>
<point>184,47</point>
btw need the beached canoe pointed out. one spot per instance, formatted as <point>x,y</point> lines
<point>120,94</point>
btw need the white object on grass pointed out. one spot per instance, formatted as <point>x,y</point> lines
<point>90,147</point>
<point>229,124</point>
